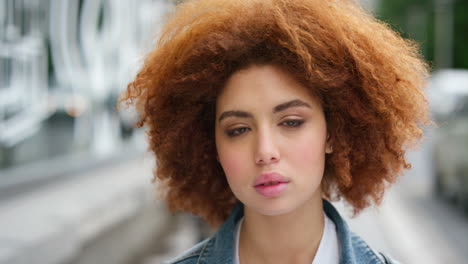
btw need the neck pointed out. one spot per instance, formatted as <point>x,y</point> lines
<point>293,237</point>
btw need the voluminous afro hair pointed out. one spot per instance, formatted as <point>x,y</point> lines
<point>368,78</point>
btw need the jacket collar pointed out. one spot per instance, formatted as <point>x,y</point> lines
<point>354,250</point>
<point>220,248</point>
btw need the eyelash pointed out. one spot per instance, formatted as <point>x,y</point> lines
<point>240,130</point>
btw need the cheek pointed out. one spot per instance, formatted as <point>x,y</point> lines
<point>233,162</point>
<point>308,152</point>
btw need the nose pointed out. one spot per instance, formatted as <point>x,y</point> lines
<point>267,149</point>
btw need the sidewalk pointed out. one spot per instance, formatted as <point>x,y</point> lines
<point>52,224</point>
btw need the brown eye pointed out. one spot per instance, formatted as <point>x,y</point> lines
<point>236,131</point>
<point>292,123</point>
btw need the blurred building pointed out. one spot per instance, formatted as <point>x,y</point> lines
<point>62,66</point>
<point>63,198</point>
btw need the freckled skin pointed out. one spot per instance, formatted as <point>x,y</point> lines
<point>265,143</point>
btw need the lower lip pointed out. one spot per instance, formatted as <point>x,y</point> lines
<point>271,190</point>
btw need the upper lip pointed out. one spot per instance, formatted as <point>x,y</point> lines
<point>269,177</point>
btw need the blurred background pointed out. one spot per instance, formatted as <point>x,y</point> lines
<point>75,176</point>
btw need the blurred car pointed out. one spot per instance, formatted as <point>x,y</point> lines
<point>448,94</point>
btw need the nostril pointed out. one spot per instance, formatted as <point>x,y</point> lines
<point>267,160</point>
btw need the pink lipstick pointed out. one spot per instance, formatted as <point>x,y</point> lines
<point>270,184</point>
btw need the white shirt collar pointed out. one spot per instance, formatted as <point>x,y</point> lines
<point>327,252</point>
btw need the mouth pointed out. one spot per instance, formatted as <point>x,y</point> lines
<point>270,179</point>
<point>271,184</point>
<point>271,189</point>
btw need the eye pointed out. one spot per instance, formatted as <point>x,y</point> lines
<point>292,123</point>
<point>236,131</point>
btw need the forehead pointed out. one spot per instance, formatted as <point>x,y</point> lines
<point>261,86</point>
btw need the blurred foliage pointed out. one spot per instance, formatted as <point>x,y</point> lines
<point>415,19</point>
<point>461,34</point>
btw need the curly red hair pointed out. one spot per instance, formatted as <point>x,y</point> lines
<point>368,78</point>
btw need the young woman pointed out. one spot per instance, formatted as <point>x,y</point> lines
<point>261,111</point>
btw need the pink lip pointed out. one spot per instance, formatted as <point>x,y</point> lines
<point>273,189</point>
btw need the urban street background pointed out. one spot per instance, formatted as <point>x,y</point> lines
<point>75,174</point>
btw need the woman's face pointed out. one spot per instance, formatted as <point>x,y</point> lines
<point>271,138</point>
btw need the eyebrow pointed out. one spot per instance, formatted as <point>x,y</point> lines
<point>276,109</point>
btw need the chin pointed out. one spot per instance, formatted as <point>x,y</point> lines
<point>274,208</point>
<point>281,205</point>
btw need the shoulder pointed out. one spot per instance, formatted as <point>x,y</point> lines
<point>387,259</point>
<point>353,247</point>
<point>191,255</point>
<point>363,249</point>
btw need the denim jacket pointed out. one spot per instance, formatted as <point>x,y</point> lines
<point>219,248</point>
